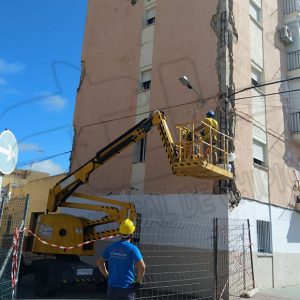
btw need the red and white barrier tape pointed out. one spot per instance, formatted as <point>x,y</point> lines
<point>16,240</point>
<point>15,259</point>
<point>67,247</point>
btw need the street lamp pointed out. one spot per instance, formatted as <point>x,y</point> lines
<point>185,81</point>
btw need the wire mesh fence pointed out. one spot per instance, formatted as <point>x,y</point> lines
<point>233,258</point>
<point>208,259</point>
<point>12,215</point>
<point>179,258</point>
<point>203,259</point>
<point>241,276</point>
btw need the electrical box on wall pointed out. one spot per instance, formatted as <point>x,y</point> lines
<point>286,35</point>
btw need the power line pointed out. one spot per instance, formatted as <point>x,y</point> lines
<point>187,103</point>
<point>184,104</point>
<point>268,130</point>
<point>29,162</point>
<point>268,94</point>
<point>264,84</point>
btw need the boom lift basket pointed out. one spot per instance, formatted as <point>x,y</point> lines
<point>197,157</point>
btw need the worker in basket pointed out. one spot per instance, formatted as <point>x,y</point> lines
<point>122,257</point>
<point>208,132</point>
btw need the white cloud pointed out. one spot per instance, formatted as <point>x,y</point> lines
<point>3,81</point>
<point>52,102</point>
<point>29,147</point>
<point>55,103</point>
<point>47,166</point>
<point>11,68</point>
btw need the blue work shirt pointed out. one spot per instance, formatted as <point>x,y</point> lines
<point>121,257</point>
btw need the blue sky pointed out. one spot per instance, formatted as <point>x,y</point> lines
<point>40,54</point>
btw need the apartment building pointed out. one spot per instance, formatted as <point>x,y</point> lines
<point>241,58</point>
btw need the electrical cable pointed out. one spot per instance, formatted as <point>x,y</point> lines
<point>263,84</point>
<point>268,130</point>
<point>268,94</point>
<point>41,159</point>
<point>184,104</point>
<point>173,106</point>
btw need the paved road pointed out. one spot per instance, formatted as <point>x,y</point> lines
<point>89,291</point>
<point>287,293</point>
<point>75,291</point>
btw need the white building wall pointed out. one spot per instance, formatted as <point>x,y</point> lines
<point>180,211</point>
<point>183,207</point>
<point>260,178</point>
<point>277,268</point>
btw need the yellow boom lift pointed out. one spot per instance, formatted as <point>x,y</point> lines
<point>186,157</point>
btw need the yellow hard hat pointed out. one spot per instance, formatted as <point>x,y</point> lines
<point>126,227</point>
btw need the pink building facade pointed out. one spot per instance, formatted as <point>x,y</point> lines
<point>238,56</point>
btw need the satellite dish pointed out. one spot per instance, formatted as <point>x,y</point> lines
<point>8,152</point>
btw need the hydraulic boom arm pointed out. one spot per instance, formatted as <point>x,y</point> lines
<point>63,189</point>
<point>69,230</point>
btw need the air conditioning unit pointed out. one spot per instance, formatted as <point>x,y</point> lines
<point>286,35</point>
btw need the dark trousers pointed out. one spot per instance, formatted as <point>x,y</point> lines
<point>114,293</point>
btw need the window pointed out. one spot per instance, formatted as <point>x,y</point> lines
<point>255,77</point>
<point>259,153</point>
<point>255,11</point>
<point>140,151</point>
<point>150,17</point>
<point>256,44</point>
<point>291,6</point>
<point>263,237</point>
<point>146,80</point>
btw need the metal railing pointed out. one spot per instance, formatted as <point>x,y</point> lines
<point>214,147</point>
<point>295,122</point>
<point>291,6</point>
<point>294,60</point>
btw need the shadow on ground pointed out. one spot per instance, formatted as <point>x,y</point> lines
<point>68,291</point>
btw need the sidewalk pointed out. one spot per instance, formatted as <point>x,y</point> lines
<point>287,293</point>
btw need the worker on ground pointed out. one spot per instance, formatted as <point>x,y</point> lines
<point>122,257</point>
<point>208,131</point>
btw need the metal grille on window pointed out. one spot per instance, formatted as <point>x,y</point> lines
<point>263,237</point>
<point>291,6</point>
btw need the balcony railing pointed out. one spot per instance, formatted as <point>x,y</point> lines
<point>291,6</point>
<point>296,122</point>
<point>294,60</point>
